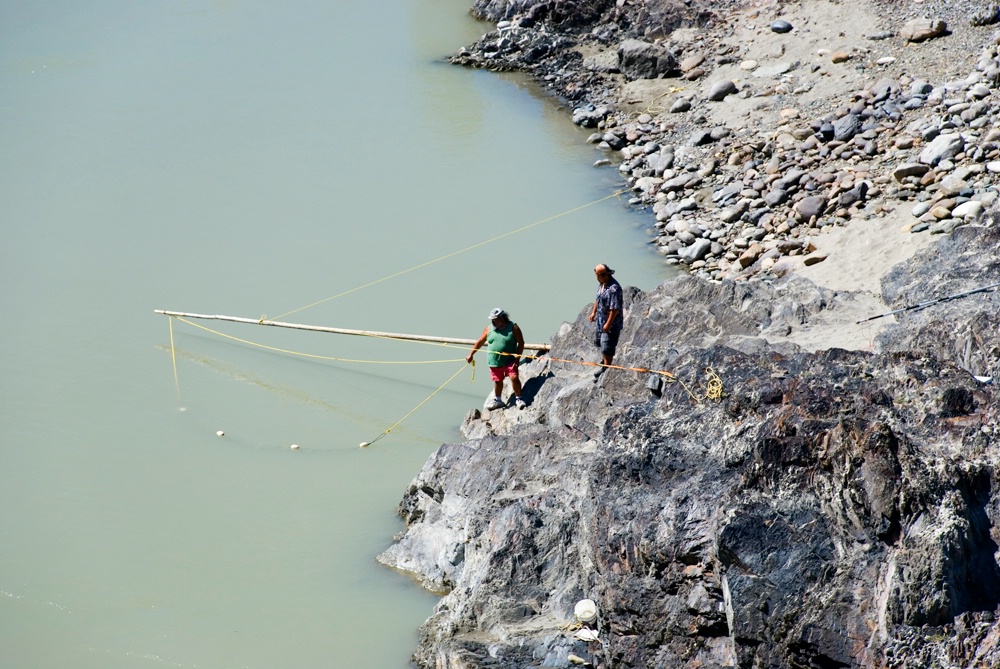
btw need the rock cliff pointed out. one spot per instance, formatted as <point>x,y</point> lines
<point>832,508</point>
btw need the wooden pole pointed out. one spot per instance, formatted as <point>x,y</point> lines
<point>360,333</point>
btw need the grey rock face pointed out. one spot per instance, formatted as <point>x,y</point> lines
<point>831,509</point>
<point>825,507</point>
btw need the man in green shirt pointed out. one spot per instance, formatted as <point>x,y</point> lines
<point>504,346</point>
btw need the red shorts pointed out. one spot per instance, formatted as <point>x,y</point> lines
<point>498,373</point>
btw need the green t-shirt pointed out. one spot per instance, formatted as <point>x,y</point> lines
<point>501,341</point>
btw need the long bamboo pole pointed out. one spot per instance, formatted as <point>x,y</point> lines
<point>320,328</point>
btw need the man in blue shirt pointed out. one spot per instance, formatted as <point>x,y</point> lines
<point>608,314</point>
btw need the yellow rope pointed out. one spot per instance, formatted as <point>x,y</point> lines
<point>173,355</point>
<point>714,389</point>
<point>449,255</point>
<point>319,357</point>
<point>366,444</point>
<point>670,91</point>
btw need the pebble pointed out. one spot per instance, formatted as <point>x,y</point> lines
<point>970,209</point>
<point>846,127</point>
<point>809,207</point>
<point>691,62</point>
<point>942,147</point>
<point>919,30</point>
<point>721,89</point>
<point>781,26</point>
<point>773,69</point>
<point>680,105</point>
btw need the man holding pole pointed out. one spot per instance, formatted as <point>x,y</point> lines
<point>505,344</point>
<point>608,313</point>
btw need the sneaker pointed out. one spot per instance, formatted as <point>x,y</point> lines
<point>520,404</point>
<point>493,402</point>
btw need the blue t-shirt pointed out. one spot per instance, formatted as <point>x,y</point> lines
<point>609,296</point>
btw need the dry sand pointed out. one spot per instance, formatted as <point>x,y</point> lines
<point>855,258</point>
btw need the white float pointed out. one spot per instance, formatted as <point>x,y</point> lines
<point>586,610</point>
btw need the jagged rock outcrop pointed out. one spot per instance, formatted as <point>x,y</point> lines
<point>833,508</point>
<point>964,331</point>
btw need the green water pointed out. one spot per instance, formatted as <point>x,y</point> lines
<point>247,158</point>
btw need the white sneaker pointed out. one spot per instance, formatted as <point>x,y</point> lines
<point>520,404</point>
<point>493,402</point>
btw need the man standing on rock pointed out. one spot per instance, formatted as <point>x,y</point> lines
<point>608,313</point>
<point>505,344</point>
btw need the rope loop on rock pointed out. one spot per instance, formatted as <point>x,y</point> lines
<point>713,390</point>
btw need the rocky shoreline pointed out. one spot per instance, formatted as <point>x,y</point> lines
<point>753,149</point>
<point>838,505</point>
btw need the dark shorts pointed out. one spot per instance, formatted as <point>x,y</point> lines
<point>607,341</point>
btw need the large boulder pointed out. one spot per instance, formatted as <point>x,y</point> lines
<point>642,60</point>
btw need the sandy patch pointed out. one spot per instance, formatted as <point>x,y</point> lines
<point>857,256</point>
<point>861,252</point>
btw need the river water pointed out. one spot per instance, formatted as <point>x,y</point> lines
<point>250,158</point>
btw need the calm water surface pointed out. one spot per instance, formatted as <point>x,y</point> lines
<point>251,158</point>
